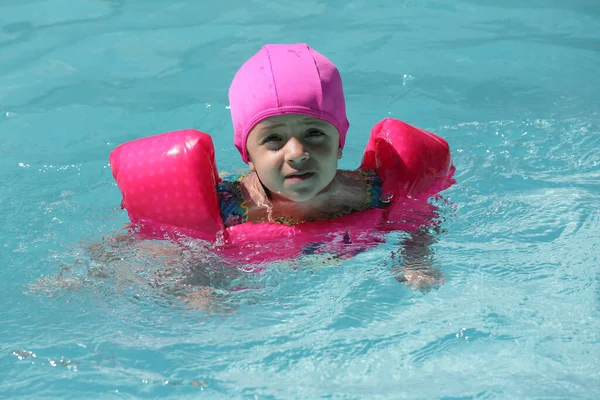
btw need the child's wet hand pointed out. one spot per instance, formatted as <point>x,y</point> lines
<point>423,279</point>
<point>205,299</point>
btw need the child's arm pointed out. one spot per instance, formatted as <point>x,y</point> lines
<point>417,257</point>
<point>190,275</point>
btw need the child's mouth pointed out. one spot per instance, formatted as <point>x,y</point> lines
<point>299,177</point>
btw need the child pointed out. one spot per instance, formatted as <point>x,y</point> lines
<point>289,118</point>
<point>290,124</point>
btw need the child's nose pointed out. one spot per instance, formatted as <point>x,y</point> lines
<point>296,152</point>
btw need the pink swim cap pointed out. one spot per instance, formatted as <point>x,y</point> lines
<point>286,79</point>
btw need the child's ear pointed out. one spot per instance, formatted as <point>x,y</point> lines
<point>339,154</point>
<point>251,165</point>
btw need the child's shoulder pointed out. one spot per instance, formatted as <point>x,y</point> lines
<point>231,200</point>
<point>361,184</point>
<point>374,183</point>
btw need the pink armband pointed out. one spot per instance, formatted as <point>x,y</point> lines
<point>169,184</point>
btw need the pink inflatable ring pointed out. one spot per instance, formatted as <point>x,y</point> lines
<point>169,181</point>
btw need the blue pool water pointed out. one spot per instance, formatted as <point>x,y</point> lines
<point>512,87</point>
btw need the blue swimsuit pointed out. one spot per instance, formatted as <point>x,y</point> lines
<point>234,210</point>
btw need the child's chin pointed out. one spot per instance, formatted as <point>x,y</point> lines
<point>299,197</point>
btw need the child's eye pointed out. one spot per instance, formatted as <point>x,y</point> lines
<point>271,139</point>
<point>314,133</point>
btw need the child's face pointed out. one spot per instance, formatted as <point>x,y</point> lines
<point>294,156</point>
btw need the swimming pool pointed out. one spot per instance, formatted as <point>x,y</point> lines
<point>511,87</point>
